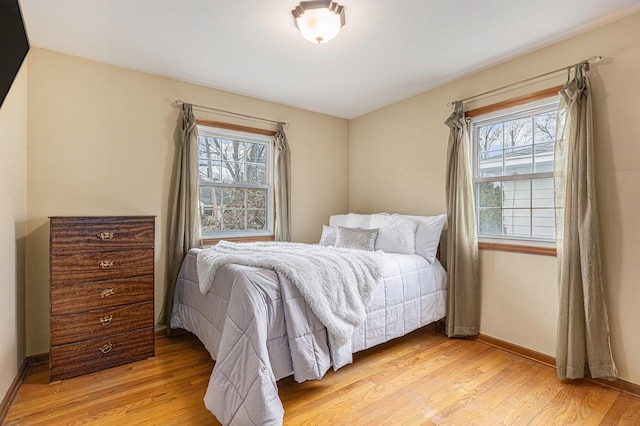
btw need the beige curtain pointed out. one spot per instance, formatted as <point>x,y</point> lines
<point>463,314</point>
<point>184,218</point>
<point>282,185</point>
<point>583,327</point>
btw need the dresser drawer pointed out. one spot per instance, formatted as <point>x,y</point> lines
<point>97,354</point>
<point>92,325</point>
<point>70,299</point>
<point>73,234</point>
<point>79,268</point>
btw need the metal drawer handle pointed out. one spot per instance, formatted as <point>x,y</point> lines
<point>106,320</point>
<point>106,264</point>
<point>106,348</point>
<point>107,292</point>
<point>106,235</point>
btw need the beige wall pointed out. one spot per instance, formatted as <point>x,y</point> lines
<point>13,210</point>
<point>101,143</point>
<point>398,164</point>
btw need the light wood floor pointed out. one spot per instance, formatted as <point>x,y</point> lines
<point>421,379</point>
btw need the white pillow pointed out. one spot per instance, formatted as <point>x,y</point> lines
<point>398,236</point>
<point>365,221</point>
<point>355,220</point>
<point>428,235</point>
<point>356,238</point>
<point>379,220</point>
<point>338,220</point>
<point>329,234</point>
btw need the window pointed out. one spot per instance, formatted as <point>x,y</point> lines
<point>236,193</point>
<point>512,161</point>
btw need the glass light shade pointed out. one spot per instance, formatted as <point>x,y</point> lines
<point>319,21</point>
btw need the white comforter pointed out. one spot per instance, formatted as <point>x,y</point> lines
<point>336,283</point>
<point>258,327</point>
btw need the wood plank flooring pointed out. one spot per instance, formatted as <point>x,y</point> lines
<point>423,378</point>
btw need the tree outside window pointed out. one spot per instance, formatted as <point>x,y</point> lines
<point>234,183</point>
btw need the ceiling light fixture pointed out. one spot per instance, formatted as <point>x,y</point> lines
<point>319,21</point>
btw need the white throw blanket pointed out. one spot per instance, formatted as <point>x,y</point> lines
<point>336,283</point>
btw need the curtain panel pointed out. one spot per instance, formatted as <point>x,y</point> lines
<point>282,185</point>
<point>183,228</point>
<point>463,314</point>
<point>583,340</point>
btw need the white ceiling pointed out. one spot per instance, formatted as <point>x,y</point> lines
<point>387,51</point>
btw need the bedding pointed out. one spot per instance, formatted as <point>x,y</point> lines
<point>356,238</point>
<point>392,233</point>
<point>336,283</point>
<point>258,327</point>
<point>397,235</point>
<point>329,234</point>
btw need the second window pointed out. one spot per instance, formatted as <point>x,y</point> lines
<point>513,171</point>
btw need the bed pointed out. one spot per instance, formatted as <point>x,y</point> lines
<point>260,325</point>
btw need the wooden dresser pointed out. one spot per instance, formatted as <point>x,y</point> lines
<point>102,308</point>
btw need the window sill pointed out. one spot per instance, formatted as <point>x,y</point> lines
<point>214,241</point>
<point>518,248</point>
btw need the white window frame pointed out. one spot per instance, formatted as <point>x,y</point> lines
<point>510,113</point>
<point>240,136</point>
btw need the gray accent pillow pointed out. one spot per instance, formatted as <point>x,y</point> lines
<point>356,238</point>
<point>329,234</point>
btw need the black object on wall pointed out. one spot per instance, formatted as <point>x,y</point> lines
<point>14,44</point>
